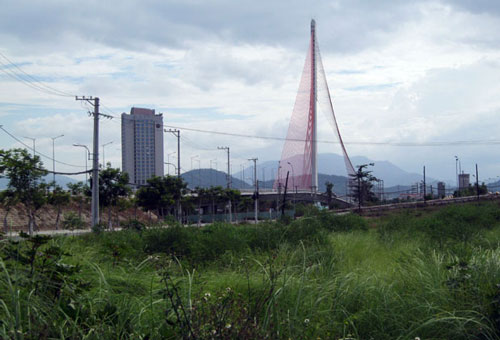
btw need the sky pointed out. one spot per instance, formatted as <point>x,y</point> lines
<point>415,83</point>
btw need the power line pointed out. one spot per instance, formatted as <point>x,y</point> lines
<point>37,152</point>
<point>30,81</point>
<point>404,144</point>
<point>367,143</point>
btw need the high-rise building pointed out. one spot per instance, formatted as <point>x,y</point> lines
<point>142,144</point>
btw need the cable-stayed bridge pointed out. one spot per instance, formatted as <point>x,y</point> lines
<point>299,155</point>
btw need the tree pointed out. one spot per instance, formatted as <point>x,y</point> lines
<point>216,194</point>
<point>361,185</point>
<point>329,193</point>
<point>25,173</point>
<point>160,193</point>
<point>78,191</point>
<point>202,194</point>
<point>471,190</point>
<point>8,199</point>
<point>113,184</point>
<point>58,198</point>
<point>232,196</point>
<point>72,222</point>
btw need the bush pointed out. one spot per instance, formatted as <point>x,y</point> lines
<point>98,228</point>
<point>337,223</point>
<point>72,222</point>
<point>133,224</point>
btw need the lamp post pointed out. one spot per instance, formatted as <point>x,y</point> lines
<point>54,158</point>
<point>256,190</point>
<point>293,182</point>
<point>87,157</point>
<point>103,158</point>
<point>168,161</point>
<point>199,171</point>
<point>33,140</point>
<point>211,176</point>
<point>279,178</point>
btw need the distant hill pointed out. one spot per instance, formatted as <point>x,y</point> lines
<point>60,180</point>
<point>333,164</point>
<point>206,178</point>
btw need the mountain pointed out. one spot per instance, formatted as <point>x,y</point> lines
<point>339,184</point>
<point>205,178</point>
<point>333,164</point>
<point>60,180</point>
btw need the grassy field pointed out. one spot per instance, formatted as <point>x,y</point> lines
<point>433,275</point>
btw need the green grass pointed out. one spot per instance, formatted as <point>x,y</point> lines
<point>433,275</point>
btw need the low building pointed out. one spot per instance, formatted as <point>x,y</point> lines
<point>441,190</point>
<point>463,181</point>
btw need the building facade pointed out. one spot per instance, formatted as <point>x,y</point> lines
<point>463,181</point>
<point>142,145</point>
<point>441,190</point>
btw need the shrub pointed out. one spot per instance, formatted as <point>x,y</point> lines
<point>347,222</point>
<point>133,224</point>
<point>72,222</point>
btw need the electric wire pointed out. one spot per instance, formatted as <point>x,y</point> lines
<point>403,144</point>
<point>31,81</point>
<point>362,143</point>
<point>37,152</point>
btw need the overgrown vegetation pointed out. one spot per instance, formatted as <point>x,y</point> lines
<point>433,275</point>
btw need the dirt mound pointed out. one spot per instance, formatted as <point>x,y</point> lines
<point>45,219</point>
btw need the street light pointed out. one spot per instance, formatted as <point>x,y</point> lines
<point>33,139</point>
<point>199,172</point>
<point>168,161</point>
<point>88,157</point>
<point>293,182</point>
<point>279,177</point>
<point>54,158</point>
<point>211,172</point>
<point>103,158</point>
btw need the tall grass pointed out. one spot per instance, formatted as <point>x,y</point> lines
<point>322,276</point>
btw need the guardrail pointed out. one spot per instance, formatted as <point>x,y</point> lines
<point>419,204</point>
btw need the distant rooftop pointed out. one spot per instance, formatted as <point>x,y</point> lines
<point>141,111</point>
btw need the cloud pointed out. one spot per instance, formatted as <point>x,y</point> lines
<point>397,70</point>
<point>148,25</point>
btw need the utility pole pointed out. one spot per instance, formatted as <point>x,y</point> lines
<point>94,101</point>
<point>424,183</point>
<point>256,185</point>
<point>228,165</point>
<point>284,195</point>
<point>477,184</point>
<point>177,133</point>
<point>228,178</point>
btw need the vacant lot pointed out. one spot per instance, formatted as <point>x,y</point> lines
<point>433,276</point>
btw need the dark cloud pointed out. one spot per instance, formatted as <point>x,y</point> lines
<point>343,26</point>
<point>491,7</point>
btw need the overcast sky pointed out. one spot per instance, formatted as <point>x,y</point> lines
<point>417,72</point>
